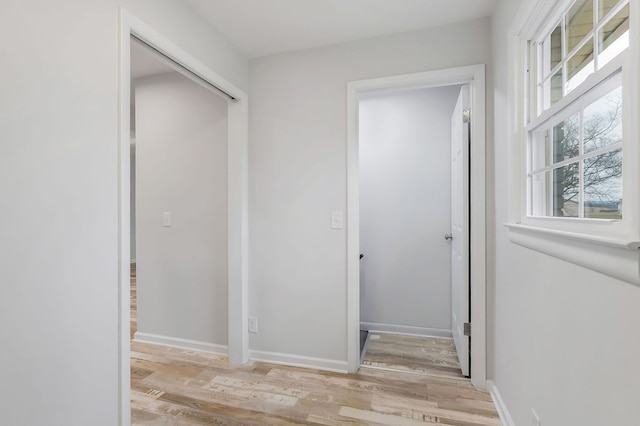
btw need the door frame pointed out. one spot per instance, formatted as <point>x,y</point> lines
<point>237,199</point>
<point>474,75</point>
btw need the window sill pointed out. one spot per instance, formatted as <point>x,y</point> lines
<point>616,258</point>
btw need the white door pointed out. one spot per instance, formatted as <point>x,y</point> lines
<point>460,229</point>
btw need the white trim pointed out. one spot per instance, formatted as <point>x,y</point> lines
<point>124,227</point>
<point>373,327</point>
<point>299,361</point>
<point>238,230</point>
<point>353,231</point>
<point>238,348</point>
<point>132,261</point>
<point>531,13</point>
<point>615,258</point>
<point>475,76</point>
<point>184,344</point>
<point>579,237</point>
<point>501,407</point>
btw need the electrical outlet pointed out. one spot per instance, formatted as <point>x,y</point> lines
<point>253,324</point>
<point>535,419</point>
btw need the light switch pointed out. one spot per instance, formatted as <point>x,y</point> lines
<point>337,220</point>
<point>166,219</point>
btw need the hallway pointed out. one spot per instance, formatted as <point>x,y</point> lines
<point>177,387</point>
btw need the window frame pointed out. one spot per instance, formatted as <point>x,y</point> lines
<point>606,245</point>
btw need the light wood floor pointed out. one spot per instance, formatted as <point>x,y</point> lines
<point>176,387</point>
<point>412,354</point>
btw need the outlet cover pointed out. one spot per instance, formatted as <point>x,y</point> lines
<point>253,324</point>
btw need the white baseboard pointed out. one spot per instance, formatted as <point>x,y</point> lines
<point>503,412</point>
<point>132,261</point>
<point>299,361</point>
<point>405,329</point>
<point>175,342</point>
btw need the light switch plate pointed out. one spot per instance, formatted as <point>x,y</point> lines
<point>337,220</point>
<point>166,219</point>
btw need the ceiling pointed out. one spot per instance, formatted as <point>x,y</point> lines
<point>265,27</point>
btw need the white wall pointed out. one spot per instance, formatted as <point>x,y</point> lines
<point>566,340</point>
<point>58,180</point>
<point>298,176</point>
<point>181,168</point>
<point>405,209</point>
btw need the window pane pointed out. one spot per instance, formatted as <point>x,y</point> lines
<point>552,50</point>
<point>566,183</point>
<point>580,66</point>
<point>605,7</point>
<point>579,22</point>
<point>613,38</point>
<point>603,121</point>
<point>556,87</point>
<point>566,137</point>
<point>603,186</point>
<point>552,90</point>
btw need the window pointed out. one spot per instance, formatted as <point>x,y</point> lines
<point>589,35</point>
<point>575,124</point>
<point>575,157</point>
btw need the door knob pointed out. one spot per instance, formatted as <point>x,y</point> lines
<point>448,237</point>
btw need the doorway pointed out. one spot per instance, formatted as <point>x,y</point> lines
<point>179,207</point>
<point>237,178</point>
<point>405,177</point>
<point>473,76</point>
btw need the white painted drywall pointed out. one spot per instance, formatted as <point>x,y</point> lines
<point>297,164</point>
<point>59,185</point>
<point>181,168</point>
<point>566,340</point>
<point>405,208</point>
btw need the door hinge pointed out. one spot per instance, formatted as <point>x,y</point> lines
<point>466,116</point>
<point>467,329</point>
